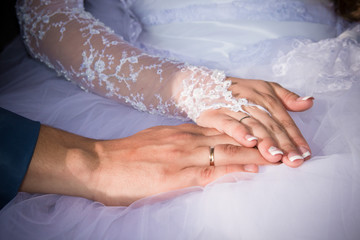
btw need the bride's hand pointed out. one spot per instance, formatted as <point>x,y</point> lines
<point>278,137</point>
<point>165,158</point>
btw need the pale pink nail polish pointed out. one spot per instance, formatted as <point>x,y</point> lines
<point>250,168</point>
<point>294,157</point>
<point>250,138</point>
<point>275,151</point>
<point>305,98</point>
<point>305,152</point>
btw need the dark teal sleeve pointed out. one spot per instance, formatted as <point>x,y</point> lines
<point>18,137</point>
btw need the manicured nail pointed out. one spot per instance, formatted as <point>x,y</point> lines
<point>250,138</point>
<point>305,98</point>
<point>294,156</point>
<point>305,152</point>
<point>275,151</point>
<point>250,168</point>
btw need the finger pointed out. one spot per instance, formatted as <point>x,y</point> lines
<point>228,122</point>
<point>302,147</point>
<point>201,176</point>
<point>267,144</point>
<point>225,154</point>
<point>282,118</point>
<point>288,138</point>
<point>292,101</point>
<point>205,175</point>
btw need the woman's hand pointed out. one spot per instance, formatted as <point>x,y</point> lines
<point>121,171</point>
<point>277,136</point>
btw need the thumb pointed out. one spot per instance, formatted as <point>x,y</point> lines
<point>292,101</point>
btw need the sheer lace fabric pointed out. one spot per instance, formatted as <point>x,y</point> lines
<point>81,48</point>
<point>240,200</point>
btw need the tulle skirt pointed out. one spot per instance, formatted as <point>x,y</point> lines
<point>319,200</point>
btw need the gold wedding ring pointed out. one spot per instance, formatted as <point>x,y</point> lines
<point>211,156</point>
<point>244,118</point>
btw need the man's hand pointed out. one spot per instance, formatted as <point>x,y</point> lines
<point>121,171</point>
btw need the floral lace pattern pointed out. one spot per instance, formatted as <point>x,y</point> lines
<point>82,49</point>
<point>341,55</point>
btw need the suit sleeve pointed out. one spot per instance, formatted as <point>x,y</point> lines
<point>18,137</point>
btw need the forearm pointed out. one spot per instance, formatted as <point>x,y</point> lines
<point>79,47</point>
<point>62,163</point>
<point>67,38</point>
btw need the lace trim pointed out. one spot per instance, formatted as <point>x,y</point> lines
<point>109,66</point>
<point>340,54</point>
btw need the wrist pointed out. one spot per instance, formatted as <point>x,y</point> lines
<point>62,164</point>
<point>202,89</point>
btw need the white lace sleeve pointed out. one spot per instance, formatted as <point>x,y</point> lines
<point>68,39</point>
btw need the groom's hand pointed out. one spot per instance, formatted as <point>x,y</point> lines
<point>118,172</point>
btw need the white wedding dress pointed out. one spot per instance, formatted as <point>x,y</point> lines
<point>300,44</point>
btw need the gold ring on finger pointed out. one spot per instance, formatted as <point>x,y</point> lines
<point>211,156</point>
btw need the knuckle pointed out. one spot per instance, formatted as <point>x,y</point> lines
<point>229,150</point>
<point>288,146</point>
<point>289,95</point>
<point>207,172</point>
<point>262,85</point>
<point>299,140</point>
<point>288,124</point>
<point>277,129</point>
<point>275,84</point>
<point>254,124</point>
<point>231,169</point>
<point>270,99</point>
<point>227,124</point>
<point>206,175</point>
<point>182,137</point>
<point>173,153</point>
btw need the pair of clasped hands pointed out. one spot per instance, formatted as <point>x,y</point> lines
<point>164,158</point>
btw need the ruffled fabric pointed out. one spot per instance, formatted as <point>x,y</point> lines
<point>102,62</point>
<point>319,200</point>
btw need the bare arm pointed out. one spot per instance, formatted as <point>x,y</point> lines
<point>119,172</point>
<point>67,38</point>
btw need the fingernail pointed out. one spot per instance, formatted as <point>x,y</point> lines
<point>275,151</point>
<point>294,157</point>
<point>305,98</point>
<point>250,138</point>
<point>250,168</point>
<point>305,152</point>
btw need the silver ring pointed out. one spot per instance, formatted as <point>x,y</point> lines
<point>247,116</point>
<point>211,156</point>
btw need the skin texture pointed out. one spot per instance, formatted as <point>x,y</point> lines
<point>277,130</point>
<point>121,171</point>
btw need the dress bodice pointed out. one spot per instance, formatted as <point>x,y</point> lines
<point>259,19</point>
<point>230,31</point>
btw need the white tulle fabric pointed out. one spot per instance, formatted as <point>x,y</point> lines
<point>100,61</point>
<point>319,200</point>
